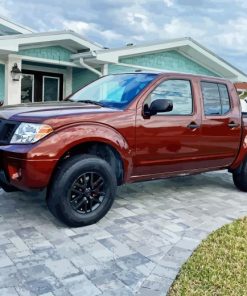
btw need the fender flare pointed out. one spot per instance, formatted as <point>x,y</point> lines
<point>67,137</point>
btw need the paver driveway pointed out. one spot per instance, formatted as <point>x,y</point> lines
<point>136,250</point>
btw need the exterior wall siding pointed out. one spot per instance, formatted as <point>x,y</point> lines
<point>114,69</point>
<point>167,60</point>
<point>2,82</point>
<point>56,53</point>
<point>81,77</point>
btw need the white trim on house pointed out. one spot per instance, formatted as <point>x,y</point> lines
<point>46,61</point>
<point>104,69</point>
<point>11,43</point>
<point>14,26</point>
<point>84,65</point>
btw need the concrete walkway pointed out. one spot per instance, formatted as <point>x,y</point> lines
<point>137,249</point>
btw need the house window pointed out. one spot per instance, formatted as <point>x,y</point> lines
<point>215,98</point>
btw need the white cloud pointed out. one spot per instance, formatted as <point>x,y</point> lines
<point>169,3</point>
<point>79,27</point>
<point>86,29</point>
<point>141,22</point>
<point>180,28</point>
<point>233,35</point>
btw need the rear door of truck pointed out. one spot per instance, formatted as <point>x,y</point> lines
<point>221,122</point>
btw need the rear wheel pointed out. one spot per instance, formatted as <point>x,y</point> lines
<point>82,191</point>
<point>240,177</point>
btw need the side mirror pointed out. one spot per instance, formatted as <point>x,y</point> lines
<point>1,103</point>
<point>158,106</point>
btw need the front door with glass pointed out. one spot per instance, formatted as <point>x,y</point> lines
<point>41,87</point>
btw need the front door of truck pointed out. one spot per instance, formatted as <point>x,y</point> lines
<point>169,142</point>
<point>221,123</point>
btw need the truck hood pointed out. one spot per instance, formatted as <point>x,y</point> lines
<point>40,112</point>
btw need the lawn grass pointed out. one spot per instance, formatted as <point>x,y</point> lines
<point>218,266</point>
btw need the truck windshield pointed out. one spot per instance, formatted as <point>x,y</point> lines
<point>115,91</point>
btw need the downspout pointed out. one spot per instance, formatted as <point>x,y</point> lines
<point>81,61</point>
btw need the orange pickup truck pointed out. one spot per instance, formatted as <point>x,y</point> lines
<point>119,129</point>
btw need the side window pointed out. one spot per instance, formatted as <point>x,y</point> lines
<point>215,98</point>
<point>211,98</point>
<point>179,91</point>
<point>225,100</point>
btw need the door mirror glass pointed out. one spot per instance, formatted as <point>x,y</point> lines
<point>159,106</point>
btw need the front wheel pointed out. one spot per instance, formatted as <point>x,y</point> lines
<point>82,191</point>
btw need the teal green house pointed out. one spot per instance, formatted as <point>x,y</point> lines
<point>40,67</point>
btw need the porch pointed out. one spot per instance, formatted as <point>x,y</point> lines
<point>47,71</point>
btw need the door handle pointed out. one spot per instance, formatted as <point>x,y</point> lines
<point>193,125</point>
<point>233,124</point>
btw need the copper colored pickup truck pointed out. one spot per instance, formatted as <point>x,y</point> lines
<point>119,129</point>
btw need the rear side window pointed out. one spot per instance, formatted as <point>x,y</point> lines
<point>215,98</point>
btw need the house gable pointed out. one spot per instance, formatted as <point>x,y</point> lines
<point>170,60</point>
<point>179,55</point>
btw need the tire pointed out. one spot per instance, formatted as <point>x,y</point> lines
<point>8,188</point>
<point>76,195</point>
<point>240,177</point>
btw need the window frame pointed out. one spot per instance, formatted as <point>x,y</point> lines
<point>230,100</point>
<point>192,97</point>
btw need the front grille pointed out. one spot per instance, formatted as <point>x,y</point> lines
<point>7,129</point>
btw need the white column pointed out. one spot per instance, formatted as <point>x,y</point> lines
<point>105,69</point>
<point>12,88</point>
<point>68,82</point>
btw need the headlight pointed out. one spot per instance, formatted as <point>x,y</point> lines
<point>28,133</point>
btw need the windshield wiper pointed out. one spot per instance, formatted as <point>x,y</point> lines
<point>89,102</point>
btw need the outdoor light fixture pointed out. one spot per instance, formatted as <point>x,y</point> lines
<point>15,73</point>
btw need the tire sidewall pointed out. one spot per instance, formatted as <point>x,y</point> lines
<point>60,191</point>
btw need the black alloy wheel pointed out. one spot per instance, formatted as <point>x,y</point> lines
<point>82,190</point>
<point>87,193</point>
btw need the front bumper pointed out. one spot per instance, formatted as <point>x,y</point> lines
<point>19,170</point>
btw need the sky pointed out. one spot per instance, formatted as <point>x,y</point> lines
<point>219,25</point>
